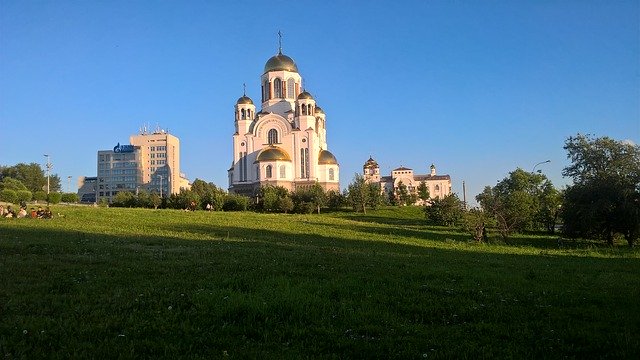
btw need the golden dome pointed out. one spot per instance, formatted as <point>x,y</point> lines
<point>244,100</point>
<point>305,95</point>
<point>326,158</point>
<point>272,153</point>
<point>319,110</point>
<point>370,163</point>
<point>280,62</point>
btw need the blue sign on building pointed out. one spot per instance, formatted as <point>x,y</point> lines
<point>123,148</point>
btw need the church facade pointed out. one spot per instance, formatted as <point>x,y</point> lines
<point>284,143</point>
<point>439,186</point>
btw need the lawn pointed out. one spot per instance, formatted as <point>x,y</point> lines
<point>137,283</point>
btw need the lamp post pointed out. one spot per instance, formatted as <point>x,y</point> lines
<point>69,180</point>
<point>540,163</point>
<point>160,185</point>
<point>48,167</point>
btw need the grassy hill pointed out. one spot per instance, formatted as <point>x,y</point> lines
<point>138,283</point>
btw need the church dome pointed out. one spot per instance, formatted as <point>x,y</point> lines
<point>245,100</point>
<point>371,163</point>
<point>273,153</point>
<point>305,95</point>
<point>319,110</point>
<point>280,62</point>
<point>326,158</point>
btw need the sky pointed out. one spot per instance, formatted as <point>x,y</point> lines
<point>478,88</point>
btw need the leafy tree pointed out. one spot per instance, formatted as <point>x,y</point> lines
<point>335,200</point>
<point>235,202</point>
<point>185,199</point>
<point>40,196</point>
<point>54,197</point>
<point>9,196</point>
<point>476,222</point>
<point>155,200</point>
<point>447,211</point>
<point>404,198</point>
<point>358,193</point>
<point>605,196</point>
<point>318,196</point>
<point>423,191</point>
<point>285,204</point>
<point>124,199</point>
<point>32,176</point>
<point>24,196</point>
<point>550,201</point>
<point>11,184</point>
<point>70,197</point>
<point>376,196</point>
<point>515,201</point>
<point>209,193</point>
<point>269,196</point>
<point>143,199</point>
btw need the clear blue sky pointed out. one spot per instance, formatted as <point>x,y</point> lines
<point>478,88</point>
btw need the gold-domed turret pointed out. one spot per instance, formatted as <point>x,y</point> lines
<point>280,62</point>
<point>305,95</point>
<point>370,163</point>
<point>326,158</point>
<point>244,100</point>
<point>273,153</point>
<point>319,110</point>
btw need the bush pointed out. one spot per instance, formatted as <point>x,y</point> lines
<point>40,196</point>
<point>70,198</point>
<point>54,198</point>
<point>233,202</point>
<point>124,199</point>
<point>23,195</point>
<point>9,196</point>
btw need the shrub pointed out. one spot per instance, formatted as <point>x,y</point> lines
<point>40,195</point>
<point>233,202</point>
<point>23,195</point>
<point>124,199</point>
<point>70,197</point>
<point>54,197</point>
<point>9,196</point>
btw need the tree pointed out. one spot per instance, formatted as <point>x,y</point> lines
<point>208,193</point>
<point>404,198</point>
<point>70,197</point>
<point>376,196</point>
<point>10,183</point>
<point>32,176</point>
<point>604,199</point>
<point>155,200</point>
<point>423,191</point>
<point>234,202</point>
<point>446,211</point>
<point>358,193</point>
<point>124,199</point>
<point>9,196</point>
<point>40,196</point>
<point>515,201</point>
<point>24,196</point>
<point>335,200</point>
<point>318,196</point>
<point>269,198</point>
<point>54,197</point>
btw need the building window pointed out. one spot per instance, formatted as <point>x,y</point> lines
<point>331,175</point>
<point>291,86</point>
<point>272,136</point>
<point>283,172</point>
<point>244,115</point>
<point>269,172</point>
<point>257,173</point>
<point>437,188</point>
<point>304,163</point>
<point>277,88</point>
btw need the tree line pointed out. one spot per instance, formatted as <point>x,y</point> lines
<point>26,182</point>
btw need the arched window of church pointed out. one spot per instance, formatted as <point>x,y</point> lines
<point>304,109</point>
<point>331,174</point>
<point>283,172</point>
<point>265,87</point>
<point>277,88</point>
<point>244,116</point>
<point>257,173</point>
<point>269,172</point>
<point>272,136</point>
<point>309,108</point>
<point>291,88</point>
<point>437,188</point>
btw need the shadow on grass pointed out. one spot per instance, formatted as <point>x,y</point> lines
<point>262,293</point>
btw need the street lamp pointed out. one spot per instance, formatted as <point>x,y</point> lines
<point>48,166</point>
<point>540,163</point>
<point>69,178</point>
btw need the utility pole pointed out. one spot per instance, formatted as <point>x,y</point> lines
<point>48,166</point>
<point>69,179</point>
<point>160,186</point>
<point>464,194</point>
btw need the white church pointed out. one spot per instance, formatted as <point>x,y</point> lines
<point>285,142</point>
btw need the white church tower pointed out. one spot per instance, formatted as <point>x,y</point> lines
<point>285,143</point>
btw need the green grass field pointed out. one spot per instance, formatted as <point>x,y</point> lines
<point>136,283</point>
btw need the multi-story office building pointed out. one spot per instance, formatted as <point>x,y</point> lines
<point>151,162</point>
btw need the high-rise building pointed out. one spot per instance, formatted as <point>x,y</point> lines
<point>285,142</point>
<point>150,162</point>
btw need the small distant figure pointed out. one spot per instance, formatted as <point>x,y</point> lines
<point>208,207</point>
<point>34,213</point>
<point>47,213</point>
<point>192,206</point>
<point>2,211</point>
<point>22,213</point>
<point>9,213</point>
<point>40,213</point>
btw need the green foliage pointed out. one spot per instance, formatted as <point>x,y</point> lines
<point>70,197</point>
<point>185,199</point>
<point>521,201</point>
<point>154,200</point>
<point>10,183</point>
<point>403,195</point>
<point>447,211</point>
<point>358,193</point>
<point>476,222</point>
<point>24,196</point>
<point>40,195</point>
<point>336,200</point>
<point>9,196</point>
<point>32,176</point>
<point>308,200</point>
<point>235,202</point>
<point>269,198</point>
<point>605,198</point>
<point>54,197</point>
<point>423,191</point>
<point>124,199</point>
<point>208,193</point>
<point>376,197</point>
<point>337,285</point>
